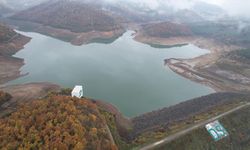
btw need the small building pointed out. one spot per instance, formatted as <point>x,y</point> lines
<point>77,91</point>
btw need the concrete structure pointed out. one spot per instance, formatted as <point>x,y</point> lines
<point>77,91</point>
<point>216,130</point>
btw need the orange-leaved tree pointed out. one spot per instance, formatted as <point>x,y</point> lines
<point>57,122</point>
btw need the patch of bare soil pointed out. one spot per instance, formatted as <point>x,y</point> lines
<point>78,38</point>
<point>75,38</point>
<point>204,69</point>
<point>25,93</point>
<point>14,45</point>
<point>140,37</point>
<point>9,68</point>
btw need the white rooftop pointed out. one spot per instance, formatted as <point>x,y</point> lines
<point>77,91</point>
<point>77,88</point>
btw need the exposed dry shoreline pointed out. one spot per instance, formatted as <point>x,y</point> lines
<point>27,92</point>
<point>66,35</point>
<point>195,68</point>
<point>10,69</point>
<point>79,38</point>
<point>12,46</point>
<point>24,93</point>
<point>10,66</point>
<point>140,37</point>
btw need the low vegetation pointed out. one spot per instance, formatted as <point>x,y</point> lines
<point>237,62</point>
<point>244,53</point>
<point>167,30</point>
<point>57,122</point>
<point>188,115</point>
<point>162,119</point>
<point>6,33</point>
<point>237,124</point>
<point>4,97</point>
<point>225,32</point>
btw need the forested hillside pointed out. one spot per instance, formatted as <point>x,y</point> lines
<point>167,30</point>
<point>224,31</point>
<point>57,122</point>
<point>71,15</point>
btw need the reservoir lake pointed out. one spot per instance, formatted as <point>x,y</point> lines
<point>128,74</point>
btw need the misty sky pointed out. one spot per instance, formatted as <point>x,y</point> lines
<point>233,7</point>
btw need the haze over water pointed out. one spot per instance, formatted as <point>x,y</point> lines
<point>126,73</point>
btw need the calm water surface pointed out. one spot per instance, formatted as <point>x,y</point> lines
<point>126,73</point>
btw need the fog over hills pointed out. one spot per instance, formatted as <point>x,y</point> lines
<point>111,15</point>
<point>202,7</point>
<point>141,11</point>
<point>21,4</point>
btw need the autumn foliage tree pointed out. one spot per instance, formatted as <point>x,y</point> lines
<point>4,97</point>
<point>57,122</point>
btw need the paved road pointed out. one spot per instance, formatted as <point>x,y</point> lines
<point>183,132</point>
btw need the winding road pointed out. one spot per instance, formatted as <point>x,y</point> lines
<point>183,132</point>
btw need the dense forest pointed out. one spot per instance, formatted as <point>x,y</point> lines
<point>56,122</point>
